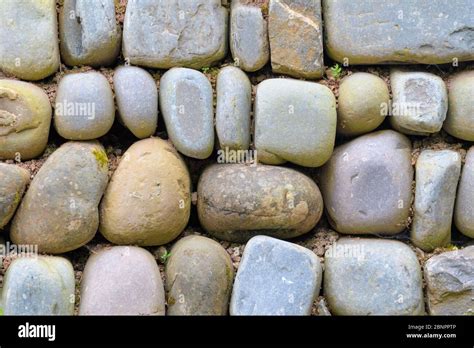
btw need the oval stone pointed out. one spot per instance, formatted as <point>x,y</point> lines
<point>187,105</point>
<point>88,31</point>
<point>148,200</point>
<point>59,212</point>
<point>362,104</point>
<point>25,118</point>
<point>199,276</point>
<point>85,108</point>
<point>40,285</point>
<point>122,280</point>
<point>237,202</point>
<point>234,103</point>
<point>13,181</point>
<point>137,100</point>
<point>464,208</point>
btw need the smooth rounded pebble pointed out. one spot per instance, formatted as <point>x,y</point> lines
<point>199,276</point>
<point>362,104</point>
<point>122,280</point>
<point>89,33</point>
<point>437,175</point>
<point>234,104</point>
<point>420,102</point>
<point>275,278</point>
<point>40,285</point>
<point>449,282</point>
<point>248,36</point>
<point>187,106</point>
<point>29,47</point>
<point>460,120</point>
<point>237,202</point>
<point>464,208</point>
<point>148,200</point>
<point>59,212</point>
<point>295,121</point>
<point>85,108</point>
<point>25,118</point>
<point>366,184</point>
<point>137,100</point>
<point>372,277</point>
<point>13,181</point>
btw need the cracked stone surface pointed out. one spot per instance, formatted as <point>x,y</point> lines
<point>464,208</point>
<point>59,212</point>
<point>163,33</point>
<point>366,184</point>
<point>40,285</point>
<point>25,119</point>
<point>89,34</point>
<point>238,201</point>
<point>199,277</point>
<point>122,280</point>
<point>419,102</point>
<point>13,181</point>
<point>385,278</point>
<point>296,38</point>
<point>450,282</point>
<point>289,273</point>
<point>418,31</point>
<point>437,175</point>
<point>295,121</point>
<point>29,46</point>
<point>248,36</point>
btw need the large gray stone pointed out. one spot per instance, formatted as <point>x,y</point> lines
<point>60,212</point>
<point>88,31</point>
<point>122,280</point>
<point>40,285</point>
<point>420,102</point>
<point>417,31</point>
<point>13,181</point>
<point>437,175</point>
<point>362,103</point>
<point>25,119</point>
<point>275,278</point>
<point>234,104</point>
<point>137,100</point>
<point>186,101</point>
<point>464,208</point>
<point>296,37</point>
<point>295,121</point>
<point>450,282</point>
<point>85,108</point>
<point>366,184</point>
<point>164,34</point>
<point>199,276</point>
<point>460,119</point>
<point>372,277</point>
<point>248,36</point>
<point>29,46</point>
<point>237,202</point>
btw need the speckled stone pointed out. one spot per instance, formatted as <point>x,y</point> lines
<point>275,278</point>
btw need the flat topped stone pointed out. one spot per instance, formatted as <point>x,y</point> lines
<point>41,285</point>
<point>275,278</point>
<point>450,282</point>
<point>417,31</point>
<point>295,121</point>
<point>122,280</point>
<point>29,46</point>
<point>186,101</point>
<point>89,32</point>
<point>296,37</point>
<point>372,277</point>
<point>163,34</point>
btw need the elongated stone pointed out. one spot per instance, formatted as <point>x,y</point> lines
<point>464,208</point>
<point>13,181</point>
<point>437,175</point>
